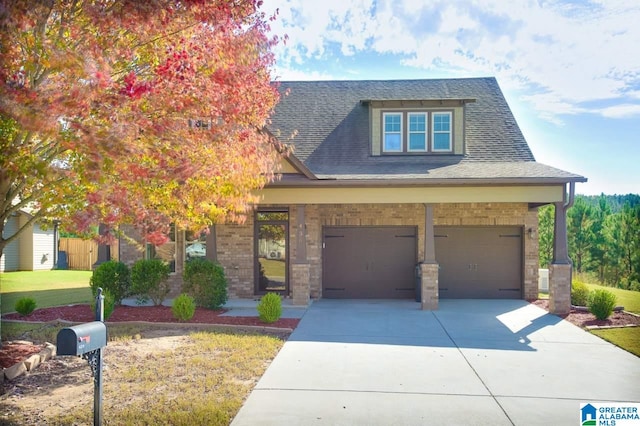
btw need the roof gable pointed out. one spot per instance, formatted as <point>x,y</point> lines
<point>331,122</point>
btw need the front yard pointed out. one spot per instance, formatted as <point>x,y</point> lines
<point>153,376</point>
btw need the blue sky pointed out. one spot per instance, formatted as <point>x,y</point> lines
<point>570,70</point>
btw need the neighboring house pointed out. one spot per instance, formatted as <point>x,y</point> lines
<point>34,249</point>
<point>390,178</point>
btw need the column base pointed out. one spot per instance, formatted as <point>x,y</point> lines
<point>300,273</point>
<point>429,297</point>
<point>559,289</point>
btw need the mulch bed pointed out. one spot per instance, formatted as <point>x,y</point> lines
<point>83,313</point>
<point>587,319</point>
<point>14,352</point>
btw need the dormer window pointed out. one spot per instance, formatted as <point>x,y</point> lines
<point>441,125</point>
<point>392,132</point>
<point>417,132</point>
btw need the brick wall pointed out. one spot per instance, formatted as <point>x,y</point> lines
<point>235,245</point>
<point>235,254</point>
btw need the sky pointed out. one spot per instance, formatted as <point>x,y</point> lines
<point>570,70</point>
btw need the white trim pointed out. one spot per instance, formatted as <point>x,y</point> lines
<point>434,132</point>
<point>425,132</point>
<point>400,133</point>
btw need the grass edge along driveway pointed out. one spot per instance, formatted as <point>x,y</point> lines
<point>626,338</point>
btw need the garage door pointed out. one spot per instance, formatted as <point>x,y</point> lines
<point>479,262</point>
<point>369,262</point>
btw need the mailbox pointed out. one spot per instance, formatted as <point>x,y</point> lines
<point>83,338</point>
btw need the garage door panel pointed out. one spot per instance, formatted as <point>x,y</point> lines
<point>369,262</point>
<point>479,262</point>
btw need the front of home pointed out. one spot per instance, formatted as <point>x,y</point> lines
<point>419,189</point>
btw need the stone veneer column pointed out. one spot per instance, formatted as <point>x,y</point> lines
<point>300,283</point>
<point>559,288</point>
<point>560,267</point>
<point>429,268</point>
<point>429,286</point>
<point>300,269</point>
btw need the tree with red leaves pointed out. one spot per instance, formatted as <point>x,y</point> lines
<point>134,112</point>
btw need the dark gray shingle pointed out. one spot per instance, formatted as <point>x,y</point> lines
<point>332,130</point>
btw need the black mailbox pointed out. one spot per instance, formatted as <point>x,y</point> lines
<point>80,339</point>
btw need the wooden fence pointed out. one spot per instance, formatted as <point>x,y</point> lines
<point>82,254</point>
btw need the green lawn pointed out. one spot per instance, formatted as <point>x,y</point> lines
<point>48,288</point>
<point>627,298</point>
<point>627,338</point>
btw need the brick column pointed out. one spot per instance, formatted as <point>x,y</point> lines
<point>300,283</point>
<point>559,288</point>
<point>429,286</point>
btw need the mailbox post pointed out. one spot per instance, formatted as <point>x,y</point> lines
<point>87,340</point>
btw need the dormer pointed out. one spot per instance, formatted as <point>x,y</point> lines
<point>417,126</point>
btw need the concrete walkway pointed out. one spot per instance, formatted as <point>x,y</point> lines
<point>471,362</point>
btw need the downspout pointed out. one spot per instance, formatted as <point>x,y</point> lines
<point>572,191</point>
<point>560,243</point>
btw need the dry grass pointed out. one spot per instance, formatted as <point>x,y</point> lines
<point>170,377</point>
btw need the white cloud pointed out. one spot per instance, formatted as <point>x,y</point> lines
<point>621,111</point>
<point>563,58</point>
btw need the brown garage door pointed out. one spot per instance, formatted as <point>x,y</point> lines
<point>369,262</point>
<point>479,262</point>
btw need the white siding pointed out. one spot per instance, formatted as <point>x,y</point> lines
<point>25,261</point>
<point>43,248</point>
<point>9,259</point>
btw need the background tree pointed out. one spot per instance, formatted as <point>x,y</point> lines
<point>604,238</point>
<point>579,232</point>
<point>545,235</point>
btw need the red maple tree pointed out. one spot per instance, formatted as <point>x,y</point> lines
<point>134,112</point>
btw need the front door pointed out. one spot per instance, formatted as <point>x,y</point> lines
<point>272,252</point>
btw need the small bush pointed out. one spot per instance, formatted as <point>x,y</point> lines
<point>184,307</point>
<point>579,293</point>
<point>149,280</point>
<point>112,276</point>
<point>205,281</point>
<point>601,303</point>
<point>270,308</point>
<point>25,305</point>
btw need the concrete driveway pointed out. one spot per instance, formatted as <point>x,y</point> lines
<point>471,362</point>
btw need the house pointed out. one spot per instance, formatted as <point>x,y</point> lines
<point>395,189</point>
<point>35,248</point>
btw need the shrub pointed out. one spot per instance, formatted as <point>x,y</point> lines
<point>579,293</point>
<point>109,304</point>
<point>184,307</point>
<point>204,280</point>
<point>270,308</point>
<point>601,303</point>
<point>25,305</point>
<point>149,280</point>
<point>113,276</point>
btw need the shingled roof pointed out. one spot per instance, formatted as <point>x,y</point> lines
<point>330,122</point>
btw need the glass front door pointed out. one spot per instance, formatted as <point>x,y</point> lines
<point>272,253</point>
